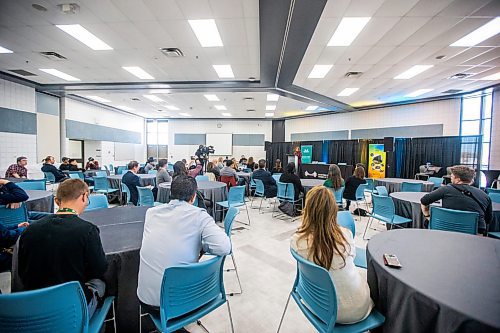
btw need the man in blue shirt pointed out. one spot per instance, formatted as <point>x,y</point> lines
<point>270,187</point>
<point>131,179</point>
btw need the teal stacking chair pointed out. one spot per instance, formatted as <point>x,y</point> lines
<point>259,192</point>
<point>126,190</point>
<point>381,190</point>
<point>492,190</point>
<point>190,292</point>
<point>152,172</point>
<point>235,198</point>
<point>111,168</point>
<point>384,210</point>
<point>73,176</point>
<point>170,167</point>
<point>337,194</point>
<point>437,181</point>
<point>12,217</point>
<point>146,197</point>
<point>286,192</point>
<point>101,173</point>
<point>453,220</point>
<point>252,185</point>
<point>411,187</point>
<point>202,179</point>
<point>97,201</point>
<point>495,197</point>
<point>51,179</point>
<point>78,173</point>
<point>123,171</point>
<point>345,219</point>
<point>314,293</point>
<point>247,170</point>
<point>277,177</point>
<point>40,185</point>
<point>101,185</point>
<point>360,197</point>
<point>370,184</point>
<point>59,308</point>
<point>228,225</point>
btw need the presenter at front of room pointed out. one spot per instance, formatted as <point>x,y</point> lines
<point>298,153</point>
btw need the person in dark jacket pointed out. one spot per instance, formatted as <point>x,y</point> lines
<point>65,164</point>
<point>131,179</point>
<point>48,166</point>
<point>277,167</point>
<point>73,166</point>
<point>351,185</point>
<point>270,187</point>
<point>290,177</point>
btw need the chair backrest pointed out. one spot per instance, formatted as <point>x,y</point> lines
<point>436,180</point>
<point>370,184</point>
<point>338,194</point>
<point>78,173</point>
<point>12,217</point>
<point>120,168</point>
<point>152,172</point>
<point>146,197</point>
<point>101,173</point>
<point>492,190</point>
<point>286,191</point>
<point>453,220</point>
<point>346,220</point>
<point>314,293</point>
<point>170,167</point>
<point>74,176</point>
<point>411,187</point>
<point>188,288</point>
<point>236,195</point>
<point>228,220</point>
<point>126,190</point>
<point>495,197</point>
<point>228,180</point>
<point>60,308</point>
<point>111,167</point>
<point>382,190</point>
<point>259,187</point>
<point>277,177</point>
<point>383,208</point>
<point>247,170</point>
<point>123,171</point>
<point>50,177</point>
<point>97,201</point>
<point>33,185</point>
<point>202,178</point>
<point>360,192</point>
<point>101,183</point>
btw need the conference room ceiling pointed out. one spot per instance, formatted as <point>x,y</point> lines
<point>399,35</point>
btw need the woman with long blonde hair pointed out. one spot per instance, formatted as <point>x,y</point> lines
<point>323,241</point>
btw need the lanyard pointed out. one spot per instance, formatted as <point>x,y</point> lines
<point>67,210</point>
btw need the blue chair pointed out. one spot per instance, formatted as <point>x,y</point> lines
<point>411,187</point>
<point>40,185</point>
<point>101,185</point>
<point>381,190</point>
<point>495,234</point>
<point>170,167</point>
<point>60,308</point>
<point>126,190</point>
<point>384,210</point>
<point>286,192</point>
<point>315,295</point>
<point>370,184</point>
<point>202,179</point>
<point>189,292</point>
<point>251,184</point>
<point>97,201</point>
<point>277,177</point>
<point>247,170</point>
<point>111,168</point>
<point>152,172</point>
<point>235,198</point>
<point>495,197</point>
<point>101,173</point>
<point>12,217</point>
<point>123,171</point>
<point>259,192</point>
<point>337,194</point>
<point>228,224</point>
<point>51,179</point>
<point>360,197</point>
<point>492,190</point>
<point>78,173</point>
<point>437,181</point>
<point>146,197</point>
<point>345,219</point>
<point>74,176</point>
<point>453,220</point>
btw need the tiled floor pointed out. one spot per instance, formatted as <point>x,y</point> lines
<point>267,271</point>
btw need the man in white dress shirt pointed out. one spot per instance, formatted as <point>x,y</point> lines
<point>175,234</point>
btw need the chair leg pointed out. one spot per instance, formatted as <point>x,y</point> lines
<point>237,277</point>
<point>260,206</point>
<point>140,318</point>
<point>114,317</point>
<point>230,316</point>
<point>248,215</point>
<point>367,225</point>
<point>284,311</point>
<point>202,326</point>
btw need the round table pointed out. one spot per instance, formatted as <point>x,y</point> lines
<point>145,180</point>
<point>394,184</point>
<point>92,173</point>
<point>309,183</point>
<point>245,175</point>
<point>448,282</point>
<point>40,201</point>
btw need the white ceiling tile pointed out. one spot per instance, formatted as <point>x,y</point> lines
<point>196,9</point>
<point>462,8</point>
<point>224,9</point>
<point>376,28</point>
<point>395,8</point>
<point>428,7</point>
<point>164,9</point>
<point>363,8</point>
<point>134,10</point>
<point>431,30</point>
<point>375,54</point>
<point>490,10</point>
<point>406,27</point>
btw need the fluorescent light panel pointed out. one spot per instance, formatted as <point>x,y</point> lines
<point>207,33</point>
<point>159,91</point>
<point>4,50</point>
<point>348,91</point>
<point>311,107</point>
<point>185,114</point>
<point>272,97</point>
<point>212,98</point>
<point>99,99</point>
<point>414,71</point>
<point>172,108</point>
<point>138,72</point>
<point>84,36</point>
<point>124,108</point>
<point>224,71</point>
<point>270,107</point>
<point>319,71</point>
<point>419,92</point>
<point>225,114</point>
<point>347,31</point>
<point>481,34</point>
<point>269,114</point>
<point>220,107</point>
<point>59,74</point>
<point>492,77</point>
<point>154,98</point>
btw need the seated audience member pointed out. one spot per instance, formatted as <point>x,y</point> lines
<point>270,187</point>
<point>234,165</point>
<point>73,166</point>
<point>18,170</point>
<point>62,247</point>
<point>65,164</point>
<point>48,166</point>
<point>251,164</point>
<point>461,195</point>
<point>92,164</point>
<point>175,234</point>
<point>179,169</point>
<point>243,160</point>
<point>351,185</point>
<point>131,179</point>
<point>228,174</point>
<point>11,195</point>
<point>290,177</point>
<point>277,167</point>
<point>149,165</point>
<point>220,163</point>
<point>163,176</point>
<point>197,170</point>
<point>320,239</point>
<point>334,179</point>
<point>211,168</point>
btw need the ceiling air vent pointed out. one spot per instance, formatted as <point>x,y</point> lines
<point>21,72</point>
<point>172,52</point>
<point>452,91</point>
<point>248,99</point>
<point>53,56</point>
<point>460,76</point>
<point>250,110</point>
<point>135,99</point>
<point>353,74</point>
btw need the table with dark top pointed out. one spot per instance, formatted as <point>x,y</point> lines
<point>92,173</point>
<point>40,201</point>
<point>395,184</point>
<point>145,180</point>
<point>448,282</point>
<point>310,183</point>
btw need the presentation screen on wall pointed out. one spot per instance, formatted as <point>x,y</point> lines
<point>222,142</point>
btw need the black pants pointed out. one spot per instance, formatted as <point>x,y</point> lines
<point>347,204</point>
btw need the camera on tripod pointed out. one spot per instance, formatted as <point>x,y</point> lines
<point>204,151</point>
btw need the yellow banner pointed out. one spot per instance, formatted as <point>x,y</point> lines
<point>376,161</point>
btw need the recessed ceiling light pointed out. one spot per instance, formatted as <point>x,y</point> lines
<point>270,107</point>
<point>414,71</point>
<point>138,72</point>
<point>224,71</point>
<point>124,108</point>
<point>347,31</point>
<point>99,99</point>
<point>225,114</point>
<point>319,71</point>
<point>172,108</point>
<point>419,92</point>
<point>84,36</point>
<point>311,107</point>
<point>348,91</point>
<point>59,74</point>
<point>159,91</point>
<point>154,98</point>
<point>488,30</point>
<point>269,114</point>
<point>206,31</point>
<point>212,98</point>
<point>4,50</point>
<point>492,77</point>
<point>272,97</point>
<point>220,107</point>
<point>185,114</point>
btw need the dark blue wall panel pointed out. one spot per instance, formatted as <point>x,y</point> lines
<point>399,132</point>
<point>248,139</point>
<point>15,121</point>
<point>84,131</point>
<point>47,104</point>
<point>189,139</point>
<point>319,136</point>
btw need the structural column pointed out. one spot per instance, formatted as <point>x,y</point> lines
<point>62,126</point>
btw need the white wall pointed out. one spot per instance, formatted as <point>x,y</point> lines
<point>47,136</point>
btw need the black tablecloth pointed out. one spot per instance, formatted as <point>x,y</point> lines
<point>145,180</point>
<point>310,183</point>
<point>394,184</point>
<point>40,201</point>
<point>449,281</point>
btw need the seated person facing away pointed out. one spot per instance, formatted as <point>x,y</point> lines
<point>92,164</point>
<point>228,175</point>
<point>62,247</point>
<point>162,176</point>
<point>277,167</point>
<point>18,170</point>
<point>270,187</point>
<point>65,164</point>
<point>251,164</point>
<point>175,234</point>
<point>131,179</point>
<point>290,177</point>
<point>73,165</point>
<point>179,169</point>
<point>320,239</point>
<point>150,164</point>
<point>461,195</point>
<point>212,168</point>
<point>197,170</point>
<point>334,179</point>
<point>351,185</point>
<point>48,166</point>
